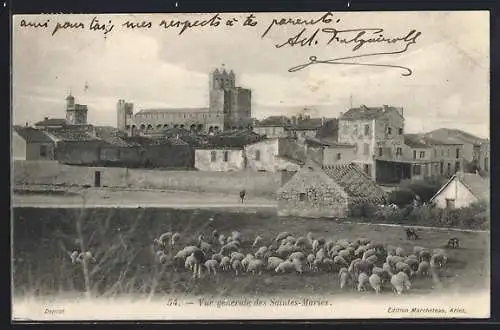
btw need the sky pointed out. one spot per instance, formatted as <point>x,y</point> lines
<point>157,67</point>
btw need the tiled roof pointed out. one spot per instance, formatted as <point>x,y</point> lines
<point>479,186</point>
<point>52,122</point>
<point>283,121</point>
<point>354,182</point>
<point>112,136</point>
<point>161,110</point>
<point>366,113</point>
<point>415,141</point>
<point>32,135</point>
<point>327,143</point>
<point>69,135</point>
<point>307,124</point>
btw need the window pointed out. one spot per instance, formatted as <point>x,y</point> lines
<point>389,130</point>
<point>422,154</point>
<point>457,153</point>
<point>457,166</point>
<point>366,149</point>
<point>302,197</point>
<point>400,131</point>
<point>257,155</point>
<point>226,156</point>
<point>213,156</point>
<point>441,167</point>
<point>416,169</point>
<point>380,152</point>
<point>339,156</point>
<point>43,151</point>
<point>450,203</point>
<point>367,130</point>
<point>449,168</point>
<point>414,154</point>
<point>435,153</point>
<point>399,151</point>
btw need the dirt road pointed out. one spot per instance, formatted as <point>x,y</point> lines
<point>133,199</point>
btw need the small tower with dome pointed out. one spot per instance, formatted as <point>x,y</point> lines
<point>76,114</point>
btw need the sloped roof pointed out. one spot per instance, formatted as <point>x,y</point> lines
<point>161,110</point>
<point>478,186</point>
<point>69,135</point>
<point>307,124</point>
<point>415,141</point>
<point>355,183</point>
<point>32,135</point>
<point>283,121</point>
<point>327,143</point>
<point>112,136</point>
<point>52,122</point>
<point>367,113</point>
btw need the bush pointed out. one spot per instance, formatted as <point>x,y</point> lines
<point>401,197</point>
<point>424,188</point>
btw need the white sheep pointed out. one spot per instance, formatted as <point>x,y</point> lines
<point>258,240</point>
<point>222,239</point>
<point>165,238</point>
<point>211,266</point>
<point>175,239</point>
<point>297,255</point>
<point>285,267</point>
<point>360,251</point>
<point>400,282</point>
<point>302,242</point>
<point>338,260</point>
<point>237,267</point>
<point>375,282</point>
<point>190,262</point>
<point>273,262</point>
<point>403,267</point>
<point>377,270</point>
<point>310,260</point>
<point>218,257</point>
<point>225,263</point>
<point>229,247</point>
<point>261,252</point>
<point>346,254</point>
<point>391,250</point>
<point>237,256</point>
<point>315,246</point>
<point>285,250</point>
<point>235,235</point>
<point>423,268</point>
<point>321,254</point>
<point>74,257</point>
<point>369,253</point>
<point>417,250</point>
<point>246,261</point>
<point>255,266</point>
<point>372,259</point>
<point>281,236</point>
<point>86,257</point>
<point>363,280</point>
<point>343,277</point>
<point>400,252</point>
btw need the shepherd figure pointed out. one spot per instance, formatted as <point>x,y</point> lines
<point>242,195</point>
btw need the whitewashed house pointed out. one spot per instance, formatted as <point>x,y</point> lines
<point>462,190</point>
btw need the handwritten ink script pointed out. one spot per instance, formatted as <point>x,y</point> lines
<point>325,31</point>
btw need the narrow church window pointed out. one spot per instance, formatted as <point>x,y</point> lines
<point>302,197</point>
<point>339,156</point>
<point>257,155</point>
<point>213,156</point>
<point>367,130</point>
<point>226,156</point>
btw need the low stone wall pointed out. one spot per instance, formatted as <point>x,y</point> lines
<point>53,173</point>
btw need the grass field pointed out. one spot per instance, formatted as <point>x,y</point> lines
<point>120,239</point>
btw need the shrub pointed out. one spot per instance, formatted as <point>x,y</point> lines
<point>401,197</point>
<point>424,188</point>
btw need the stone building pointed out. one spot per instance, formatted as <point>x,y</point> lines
<point>371,129</point>
<point>484,156</point>
<point>76,114</point>
<point>471,143</point>
<point>448,153</point>
<point>331,192</point>
<point>219,158</point>
<point>230,107</point>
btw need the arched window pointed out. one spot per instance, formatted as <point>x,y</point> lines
<point>158,126</point>
<point>165,126</point>
<point>150,126</point>
<point>143,127</point>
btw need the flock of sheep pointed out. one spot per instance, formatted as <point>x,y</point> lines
<point>360,264</point>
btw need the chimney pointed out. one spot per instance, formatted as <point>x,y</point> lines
<point>46,118</point>
<point>27,124</point>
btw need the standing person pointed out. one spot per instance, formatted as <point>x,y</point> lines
<point>242,195</point>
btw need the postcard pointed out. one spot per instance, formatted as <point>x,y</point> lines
<point>250,166</point>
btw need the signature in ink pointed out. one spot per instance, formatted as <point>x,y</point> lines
<point>359,40</point>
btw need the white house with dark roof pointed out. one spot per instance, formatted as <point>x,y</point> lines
<point>31,144</point>
<point>462,190</point>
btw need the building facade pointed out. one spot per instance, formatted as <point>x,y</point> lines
<point>274,155</point>
<point>329,153</point>
<point>462,190</point>
<point>31,144</point>
<point>371,129</point>
<point>76,114</point>
<point>230,107</point>
<point>484,157</point>
<point>219,159</point>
